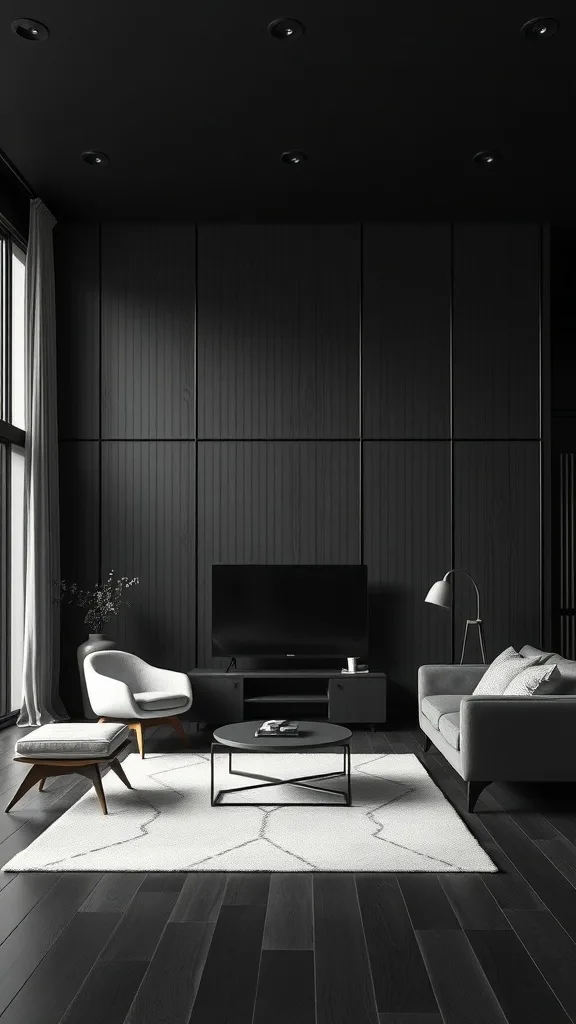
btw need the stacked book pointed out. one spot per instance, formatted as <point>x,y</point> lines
<point>278,727</point>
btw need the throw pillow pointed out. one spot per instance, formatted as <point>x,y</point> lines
<point>531,680</point>
<point>501,672</point>
<point>534,652</point>
<point>566,684</point>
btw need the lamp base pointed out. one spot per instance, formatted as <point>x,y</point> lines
<point>480,625</point>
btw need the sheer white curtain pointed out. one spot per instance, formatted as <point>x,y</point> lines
<point>40,700</point>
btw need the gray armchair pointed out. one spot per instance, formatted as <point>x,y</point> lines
<point>495,739</point>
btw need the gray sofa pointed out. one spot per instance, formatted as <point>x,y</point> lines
<point>497,739</point>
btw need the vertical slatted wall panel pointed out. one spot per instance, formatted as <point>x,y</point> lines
<point>148,531</point>
<point>496,330</point>
<point>77,260</point>
<point>80,549</point>
<point>567,553</point>
<point>273,502</point>
<point>406,330</point>
<point>278,331</point>
<point>4,334</point>
<point>497,538</point>
<point>148,310</point>
<point>407,536</point>
<point>4,562</point>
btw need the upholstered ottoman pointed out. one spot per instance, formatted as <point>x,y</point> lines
<point>67,748</point>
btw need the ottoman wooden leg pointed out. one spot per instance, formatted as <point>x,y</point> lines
<point>118,769</point>
<point>92,771</point>
<point>41,786</point>
<point>36,774</point>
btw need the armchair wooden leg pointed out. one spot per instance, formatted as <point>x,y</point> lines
<point>35,775</point>
<point>176,724</point>
<point>138,728</point>
<point>41,786</point>
<point>427,743</point>
<point>474,789</point>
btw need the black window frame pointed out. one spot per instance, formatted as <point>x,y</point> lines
<point>9,436</point>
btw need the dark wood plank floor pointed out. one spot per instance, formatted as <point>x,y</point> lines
<point>298,949</point>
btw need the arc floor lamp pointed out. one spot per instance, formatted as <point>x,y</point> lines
<point>441,593</point>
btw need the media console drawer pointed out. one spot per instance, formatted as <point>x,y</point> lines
<point>217,699</point>
<point>353,699</point>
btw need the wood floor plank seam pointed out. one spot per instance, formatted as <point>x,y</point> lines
<point>149,1003</point>
<point>101,960</point>
<point>91,880</point>
<point>480,942</point>
<point>561,855</point>
<point>478,995</point>
<point>535,962</point>
<point>555,877</point>
<point>258,973</point>
<point>51,881</point>
<point>27,989</point>
<point>366,950</point>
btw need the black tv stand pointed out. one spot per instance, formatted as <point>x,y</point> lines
<point>223,696</point>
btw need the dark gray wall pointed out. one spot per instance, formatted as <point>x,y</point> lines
<point>563,412</point>
<point>297,393</point>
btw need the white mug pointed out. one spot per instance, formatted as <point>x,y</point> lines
<point>351,664</point>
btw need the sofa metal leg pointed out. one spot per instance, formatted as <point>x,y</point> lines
<point>474,789</point>
<point>427,743</point>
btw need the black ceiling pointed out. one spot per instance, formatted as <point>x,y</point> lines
<point>194,104</point>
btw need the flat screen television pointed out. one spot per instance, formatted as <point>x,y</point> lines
<point>290,610</point>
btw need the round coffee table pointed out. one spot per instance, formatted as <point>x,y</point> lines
<point>312,736</point>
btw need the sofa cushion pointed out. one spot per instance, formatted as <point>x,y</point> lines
<point>565,681</point>
<point>443,703</point>
<point>501,672</point>
<point>449,728</point>
<point>159,700</point>
<point>566,671</point>
<point>73,740</point>
<point>535,679</point>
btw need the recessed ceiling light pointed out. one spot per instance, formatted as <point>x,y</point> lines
<point>540,28</point>
<point>30,30</point>
<point>94,158</point>
<point>487,157</point>
<point>293,156</point>
<point>285,28</point>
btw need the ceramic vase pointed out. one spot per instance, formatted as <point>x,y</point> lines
<point>95,642</point>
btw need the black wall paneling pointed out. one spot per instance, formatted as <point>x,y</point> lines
<point>278,331</point>
<point>77,259</point>
<point>496,331</point>
<point>148,531</point>
<point>497,538</point>
<point>80,550</point>
<point>148,311</point>
<point>407,538</point>
<point>563,439</point>
<point>406,330</point>
<point>293,502</point>
<point>360,394</point>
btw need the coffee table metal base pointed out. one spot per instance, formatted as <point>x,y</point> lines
<point>303,781</point>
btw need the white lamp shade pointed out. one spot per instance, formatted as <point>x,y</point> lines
<point>440,593</point>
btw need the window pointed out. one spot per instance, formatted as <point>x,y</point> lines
<point>12,405</point>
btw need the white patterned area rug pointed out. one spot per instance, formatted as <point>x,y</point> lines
<point>399,820</point>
